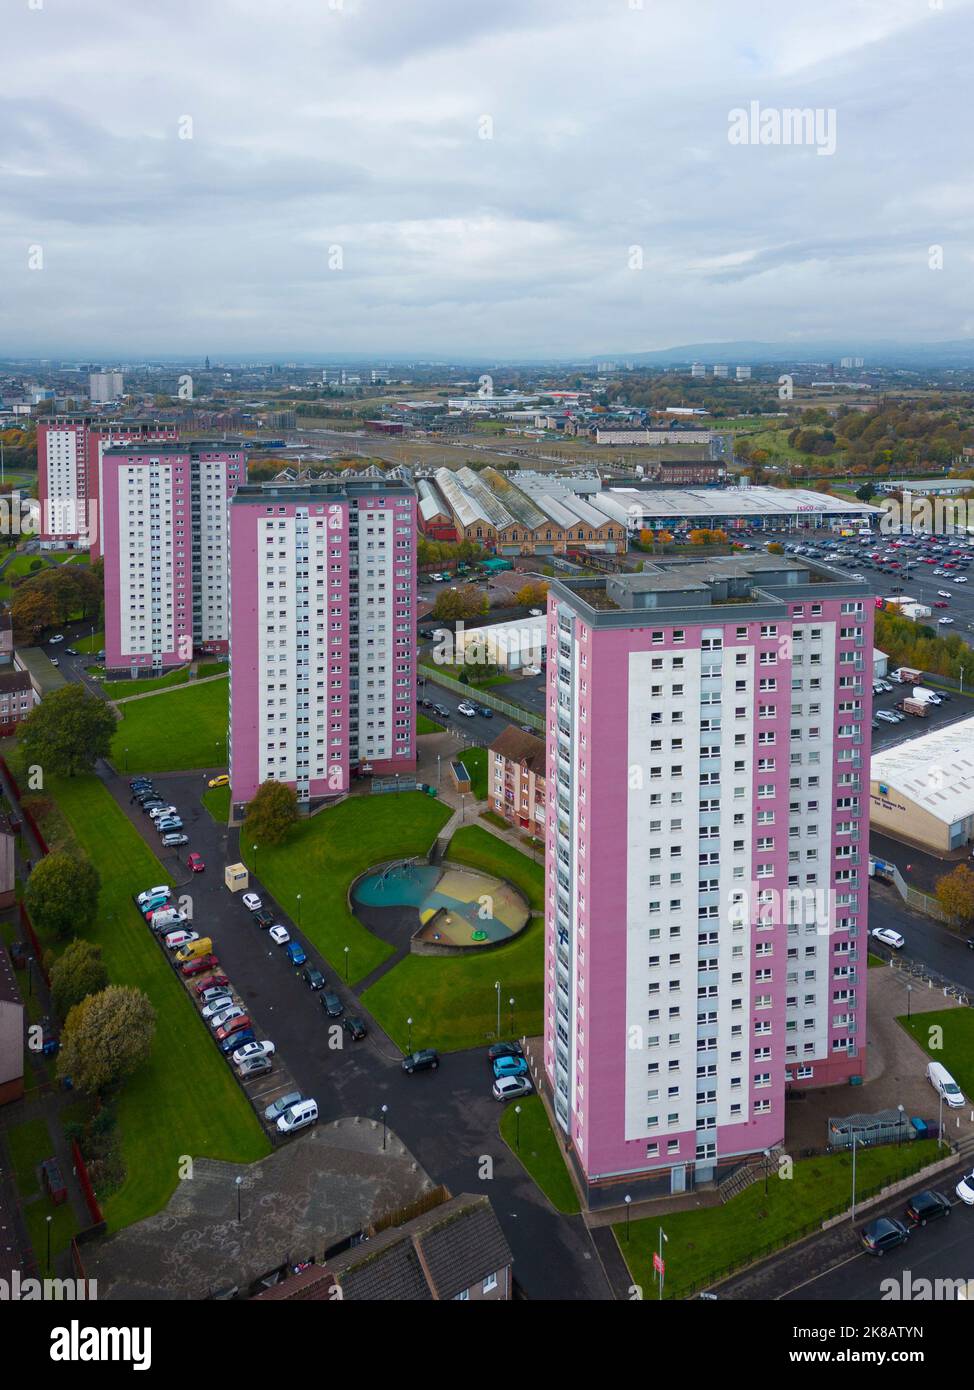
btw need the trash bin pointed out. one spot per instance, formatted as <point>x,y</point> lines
<point>920,1127</point>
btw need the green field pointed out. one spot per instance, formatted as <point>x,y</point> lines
<point>957,1053</point>
<point>90,644</point>
<point>29,1144</point>
<point>22,565</point>
<point>702,1244</point>
<point>174,731</point>
<point>185,1100</point>
<point>68,557</point>
<point>426,726</point>
<point>205,669</point>
<point>481,850</point>
<point>475,761</point>
<point>322,855</point>
<point>452,1000</point>
<point>125,690</point>
<point>217,802</point>
<point>535,1144</point>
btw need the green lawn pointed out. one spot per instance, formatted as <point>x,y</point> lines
<point>217,802</point>
<point>90,644</point>
<point>124,690</point>
<point>67,557</point>
<point>63,1227</point>
<point>211,668</point>
<point>29,1143</point>
<point>174,731</point>
<point>957,1053</point>
<point>452,1000</point>
<point>322,855</point>
<point>22,565</point>
<point>702,1244</point>
<point>475,761</point>
<point>481,850</point>
<point>184,1101</point>
<point>540,1152</point>
<point>427,726</point>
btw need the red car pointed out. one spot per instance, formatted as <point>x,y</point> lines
<point>217,979</point>
<point>195,862</point>
<point>234,1026</point>
<point>941,604</point>
<point>194,967</point>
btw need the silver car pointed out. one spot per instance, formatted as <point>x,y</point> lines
<point>217,1005</point>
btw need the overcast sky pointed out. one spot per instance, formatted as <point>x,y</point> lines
<point>460,177</point>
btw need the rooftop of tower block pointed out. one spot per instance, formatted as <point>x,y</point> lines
<point>681,588</point>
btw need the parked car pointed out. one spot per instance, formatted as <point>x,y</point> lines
<point>170,823</point>
<point>295,953</point>
<point>263,919</point>
<point>889,937</point>
<point>354,1027</point>
<point>332,1005</point>
<point>222,781</point>
<point>195,863</point>
<point>225,1015</point>
<point>927,1206</point>
<point>161,892</point>
<point>220,1004</point>
<point>251,902</point>
<point>213,981</point>
<point>153,803</point>
<point>883,1234</point>
<point>152,906</point>
<point>313,977</point>
<point>425,1060</point>
<point>510,1066</point>
<point>174,939</point>
<point>154,812</point>
<point>174,840</point>
<point>510,1087</point>
<point>485,712</point>
<point>235,1040</point>
<point>233,1025</point>
<point>965,1189</point>
<point>298,1116</point>
<point>466,708</point>
<point>279,935</point>
<point>208,994</point>
<point>254,1049</point>
<point>199,965</point>
<point>254,1066</point>
<point>277,1107</point>
<point>504,1049</point>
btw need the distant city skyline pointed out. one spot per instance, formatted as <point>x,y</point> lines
<point>524,180</point>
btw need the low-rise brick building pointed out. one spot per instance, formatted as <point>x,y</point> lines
<point>516,779</point>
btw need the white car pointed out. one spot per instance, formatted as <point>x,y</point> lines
<point>217,1005</point>
<point>466,708</point>
<point>887,716</point>
<point>158,811</point>
<point>252,902</point>
<point>888,937</point>
<point>58,637</point>
<point>253,1049</point>
<point>163,891</point>
<point>965,1189</point>
<point>944,622</point>
<point>944,593</point>
<point>960,578</point>
<point>175,939</point>
<point>510,1087</point>
<point>280,935</point>
<point>217,1020</point>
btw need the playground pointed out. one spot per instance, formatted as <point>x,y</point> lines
<point>447,906</point>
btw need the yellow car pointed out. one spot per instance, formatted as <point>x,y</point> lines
<point>218,782</point>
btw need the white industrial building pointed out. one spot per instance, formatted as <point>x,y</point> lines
<point>508,646</point>
<point>922,790</point>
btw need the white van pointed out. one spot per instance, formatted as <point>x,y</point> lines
<point>298,1116</point>
<point>167,917</point>
<point>942,1082</point>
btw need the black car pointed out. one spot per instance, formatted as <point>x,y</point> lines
<point>485,712</point>
<point>137,782</point>
<point>511,1049</point>
<point>883,1234</point>
<point>263,919</point>
<point>313,977</point>
<point>354,1027</point>
<point>235,1040</point>
<point>927,1206</point>
<point>332,1005</point>
<point>425,1060</point>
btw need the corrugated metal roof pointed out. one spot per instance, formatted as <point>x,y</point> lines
<point>936,771</point>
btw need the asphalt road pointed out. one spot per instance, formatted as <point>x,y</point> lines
<point>448,1118</point>
<point>926,940</point>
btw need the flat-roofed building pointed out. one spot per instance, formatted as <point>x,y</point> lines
<point>922,791</point>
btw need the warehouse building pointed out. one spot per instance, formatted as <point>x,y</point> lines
<point>728,509</point>
<point>508,646</point>
<point>525,519</point>
<point>922,791</point>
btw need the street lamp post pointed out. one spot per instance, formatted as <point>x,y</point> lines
<point>628,1201</point>
<point>346,950</point>
<point>940,1119</point>
<point>767,1155</point>
<point>853,1176</point>
<point>909,1002</point>
<point>384,1111</point>
<point>239,1182</point>
<point>299,909</point>
<point>517,1128</point>
<point>254,848</point>
<point>409,1035</point>
<point>49,1219</point>
<point>511,1002</point>
<point>497,986</point>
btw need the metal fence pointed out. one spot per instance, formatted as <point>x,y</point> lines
<point>915,897</point>
<point>485,697</point>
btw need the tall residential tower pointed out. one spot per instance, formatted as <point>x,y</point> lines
<point>708,726</point>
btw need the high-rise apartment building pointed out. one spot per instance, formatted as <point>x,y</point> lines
<point>69,469</point>
<point>706,879</point>
<point>166,548</point>
<point>104,387</point>
<point>322,633</point>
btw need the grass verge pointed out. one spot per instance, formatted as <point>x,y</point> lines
<point>174,731</point>
<point>535,1144</point>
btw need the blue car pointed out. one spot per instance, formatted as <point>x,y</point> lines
<point>510,1066</point>
<point>235,1040</point>
<point>296,953</point>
